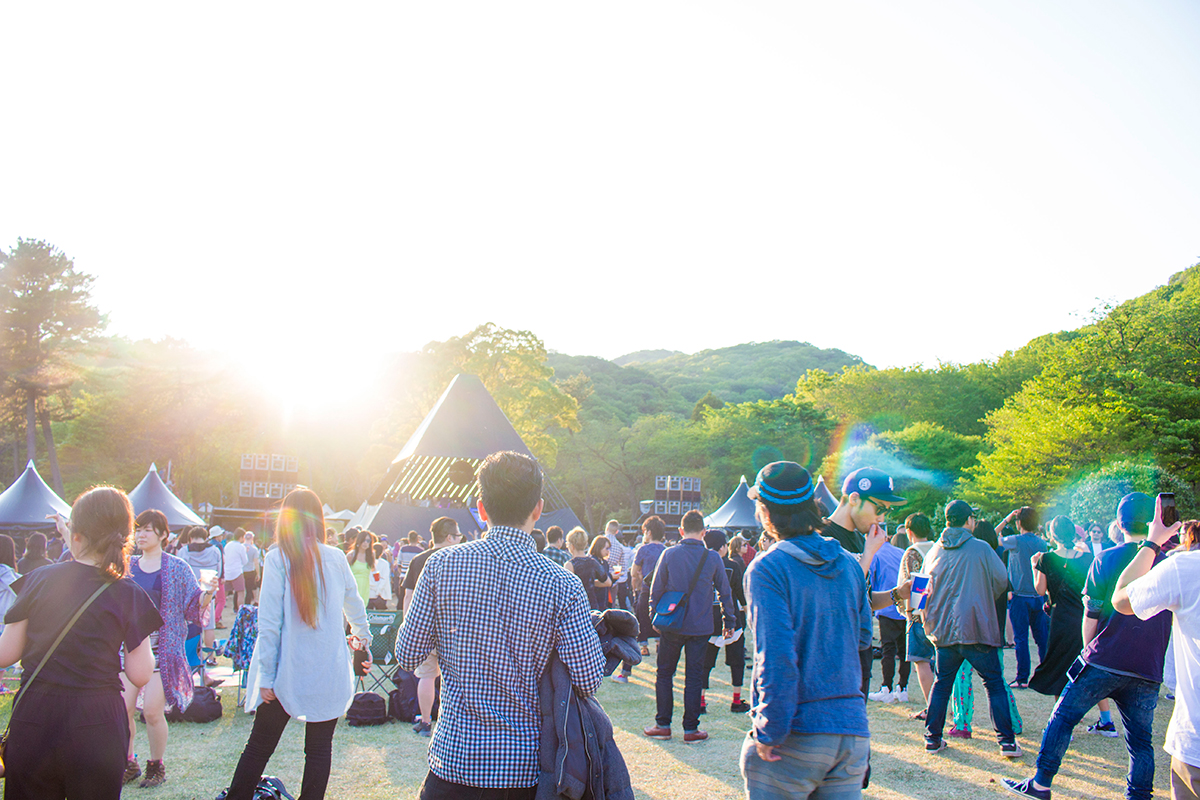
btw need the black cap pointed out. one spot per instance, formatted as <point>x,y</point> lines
<point>714,539</point>
<point>957,513</point>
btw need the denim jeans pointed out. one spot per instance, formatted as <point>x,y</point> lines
<point>986,661</point>
<point>1027,613</point>
<point>669,648</point>
<point>1136,699</point>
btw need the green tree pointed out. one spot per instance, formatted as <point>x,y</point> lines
<point>709,400</point>
<point>1095,497</point>
<point>46,321</point>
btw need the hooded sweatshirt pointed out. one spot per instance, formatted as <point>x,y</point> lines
<point>204,555</point>
<point>810,614</point>
<point>966,577</point>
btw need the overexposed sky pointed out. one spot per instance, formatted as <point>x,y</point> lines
<point>910,182</point>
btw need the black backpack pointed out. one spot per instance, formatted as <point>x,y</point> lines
<point>205,707</point>
<point>367,708</point>
<point>269,788</point>
<point>402,701</point>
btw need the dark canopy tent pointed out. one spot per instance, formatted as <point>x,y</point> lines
<point>25,504</point>
<point>434,474</point>
<point>737,512</point>
<point>153,493</point>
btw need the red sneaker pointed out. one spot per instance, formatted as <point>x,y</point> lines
<point>694,736</point>
<point>655,732</point>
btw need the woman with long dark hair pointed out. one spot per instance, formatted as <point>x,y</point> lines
<point>301,666</point>
<point>69,730</point>
<point>362,562</point>
<point>35,554</point>
<point>177,596</point>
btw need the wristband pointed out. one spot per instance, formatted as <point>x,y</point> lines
<point>895,597</point>
<point>1149,545</point>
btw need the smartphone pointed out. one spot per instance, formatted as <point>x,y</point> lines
<point>1170,514</point>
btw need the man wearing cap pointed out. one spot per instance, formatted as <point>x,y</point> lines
<point>867,496</point>
<point>1025,608</point>
<point>807,605</point>
<point>696,571</point>
<point>1145,590</point>
<point>1122,658</point>
<point>966,577</point>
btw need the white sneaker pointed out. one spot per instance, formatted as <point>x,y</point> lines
<point>902,696</point>
<point>884,695</point>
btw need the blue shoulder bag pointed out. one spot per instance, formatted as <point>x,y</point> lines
<point>671,608</point>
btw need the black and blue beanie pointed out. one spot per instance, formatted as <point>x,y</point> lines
<point>783,485</point>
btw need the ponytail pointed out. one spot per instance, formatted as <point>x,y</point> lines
<point>103,517</point>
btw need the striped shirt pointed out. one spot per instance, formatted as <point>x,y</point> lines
<point>494,609</point>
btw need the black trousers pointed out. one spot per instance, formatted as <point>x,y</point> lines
<point>434,788</point>
<point>894,636</point>
<point>735,659</point>
<point>269,721</point>
<point>66,744</point>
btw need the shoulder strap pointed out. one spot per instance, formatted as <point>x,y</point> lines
<point>699,569</point>
<point>61,635</point>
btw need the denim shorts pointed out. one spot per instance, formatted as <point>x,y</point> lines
<point>919,647</point>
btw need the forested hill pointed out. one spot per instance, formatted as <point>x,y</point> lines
<point>738,374</point>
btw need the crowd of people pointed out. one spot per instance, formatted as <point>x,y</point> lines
<point>100,631</point>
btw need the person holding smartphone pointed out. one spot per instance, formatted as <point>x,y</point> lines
<point>1150,586</point>
<point>1122,659</point>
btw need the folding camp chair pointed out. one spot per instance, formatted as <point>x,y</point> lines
<point>383,626</point>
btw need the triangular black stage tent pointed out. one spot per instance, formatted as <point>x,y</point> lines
<point>434,474</point>
<point>153,493</point>
<point>25,504</point>
<point>737,512</point>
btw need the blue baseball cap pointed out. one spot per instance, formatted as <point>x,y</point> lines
<point>1134,513</point>
<point>873,483</point>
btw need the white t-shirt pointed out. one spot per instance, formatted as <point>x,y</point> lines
<point>235,560</point>
<point>1174,585</point>
<point>383,587</point>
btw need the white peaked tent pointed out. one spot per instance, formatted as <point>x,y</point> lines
<point>736,512</point>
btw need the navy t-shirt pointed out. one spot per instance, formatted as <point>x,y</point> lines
<point>589,570</point>
<point>1124,644</point>
<point>89,658</point>
<point>150,581</point>
<point>646,559</point>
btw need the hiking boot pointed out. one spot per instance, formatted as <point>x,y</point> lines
<point>423,728</point>
<point>1108,729</point>
<point>132,771</point>
<point>694,736</point>
<point>1025,789</point>
<point>1010,749</point>
<point>740,707</point>
<point>884,695</point>
<point>656,732</point>
<point>937,746</point>
<point>156,775</point>
<point>959,733</point>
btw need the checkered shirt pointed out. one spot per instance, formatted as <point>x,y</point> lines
<point>619,556</point>
<point>494,609</point>
<point>557,554</point>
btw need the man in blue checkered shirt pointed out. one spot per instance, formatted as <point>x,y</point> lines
<point>494,609</point>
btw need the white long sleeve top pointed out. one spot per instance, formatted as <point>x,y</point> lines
<point>309,669</point>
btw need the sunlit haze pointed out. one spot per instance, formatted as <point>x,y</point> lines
<point>910,182</point>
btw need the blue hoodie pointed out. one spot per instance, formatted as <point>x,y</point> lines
<point>809,609</point>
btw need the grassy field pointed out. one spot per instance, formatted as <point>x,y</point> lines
<point>389,761</point>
